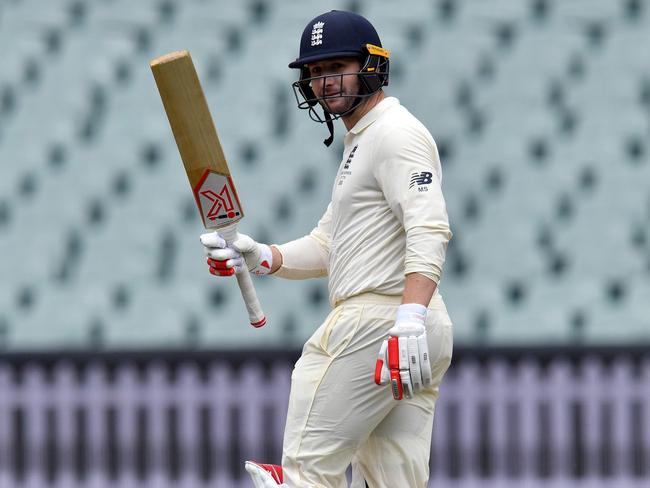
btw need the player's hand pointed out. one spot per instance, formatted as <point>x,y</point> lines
<point>225,260</point>
<point>404,356</point>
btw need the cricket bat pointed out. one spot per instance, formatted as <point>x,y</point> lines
<point>203,158</point>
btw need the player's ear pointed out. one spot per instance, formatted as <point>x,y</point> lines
<point>375,72</point>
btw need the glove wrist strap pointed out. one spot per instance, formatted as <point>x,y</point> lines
<point>412,312</point>
<point>265,262</point>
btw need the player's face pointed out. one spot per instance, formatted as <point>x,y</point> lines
<point>337,82</point>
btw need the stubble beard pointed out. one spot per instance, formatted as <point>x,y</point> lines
<point>343,96</point>
<point>342,104</point>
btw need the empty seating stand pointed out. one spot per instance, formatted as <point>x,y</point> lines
<point>539,108</point>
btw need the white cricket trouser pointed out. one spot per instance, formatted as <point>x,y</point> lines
<point>337,414</point>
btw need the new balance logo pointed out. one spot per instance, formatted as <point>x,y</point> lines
<point>421,179</point>
<point>317,33</point>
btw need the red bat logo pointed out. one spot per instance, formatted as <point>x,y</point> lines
<point>220,201</point>
<point>217,199</point>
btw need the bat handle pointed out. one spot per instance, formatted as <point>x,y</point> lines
<point>255,313</point>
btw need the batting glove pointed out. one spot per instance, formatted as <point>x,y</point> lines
<point>404,356</point>
<point>265,475</point>
<point>225,260</point>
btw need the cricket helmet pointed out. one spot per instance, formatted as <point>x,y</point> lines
<point>339,34</point>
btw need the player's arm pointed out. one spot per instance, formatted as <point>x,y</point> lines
<point>408,172</point>
<point>302,258</point>
<point>307,257</point>
<point>409,175</point>
<point>418,289</point>
<point>277,259</point>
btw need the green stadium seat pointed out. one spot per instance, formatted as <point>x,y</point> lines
<point>539,110</point>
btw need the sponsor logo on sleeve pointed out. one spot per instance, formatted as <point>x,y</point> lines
<point>421,180</point>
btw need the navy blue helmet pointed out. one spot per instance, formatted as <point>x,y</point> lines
<point>339,34</point>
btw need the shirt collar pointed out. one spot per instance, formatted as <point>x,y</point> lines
<point>374,114</point>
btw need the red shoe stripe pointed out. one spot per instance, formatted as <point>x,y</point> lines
<point>275,471</point>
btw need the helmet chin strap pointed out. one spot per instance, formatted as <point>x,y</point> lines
<point>330,127</point>
<point>330,124</point>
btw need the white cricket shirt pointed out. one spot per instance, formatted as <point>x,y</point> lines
<point>387,216</point>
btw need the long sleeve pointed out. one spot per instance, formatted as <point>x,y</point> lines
<point>409,174</point>
<point>308,256</point>
<point>387,216</point>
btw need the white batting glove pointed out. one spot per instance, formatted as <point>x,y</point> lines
<point>265,475</point>
<point>225,260</point>
<point>404,356</point>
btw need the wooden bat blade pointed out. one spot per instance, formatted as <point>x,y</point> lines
<point>203,158</point>
<point>197,139</point>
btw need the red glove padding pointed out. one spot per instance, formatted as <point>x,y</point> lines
<point>220,267</point>
<point>403,358</point>
<point>244,252</point>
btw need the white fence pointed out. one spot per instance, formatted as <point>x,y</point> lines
<point>498,423</point>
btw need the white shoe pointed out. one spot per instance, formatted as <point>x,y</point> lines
<point>265,475</point>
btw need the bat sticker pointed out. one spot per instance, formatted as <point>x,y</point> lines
<point>216,197</point>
